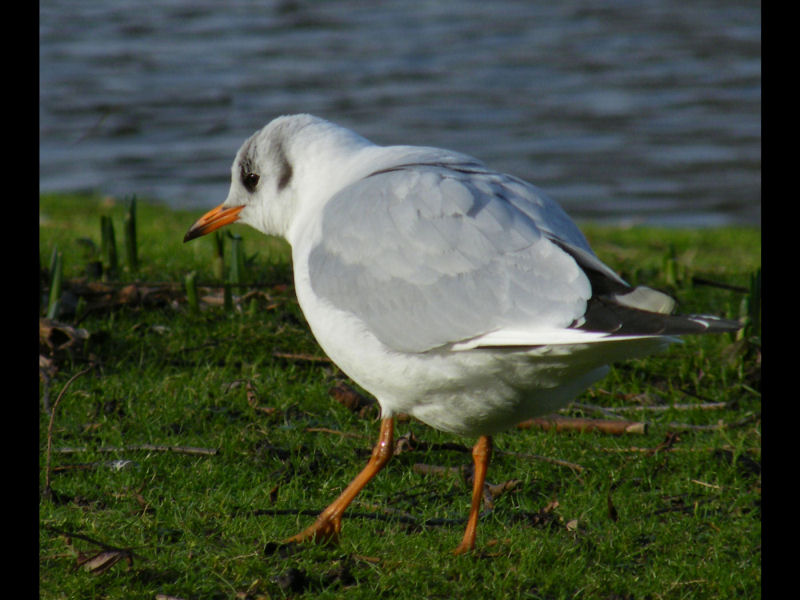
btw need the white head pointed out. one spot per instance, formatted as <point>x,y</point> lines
<point>286,165</point>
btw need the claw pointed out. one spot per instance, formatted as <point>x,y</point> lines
<point>323,531</point>
<point>329,523</point>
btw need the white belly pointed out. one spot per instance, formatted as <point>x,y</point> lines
<point>473,392</point>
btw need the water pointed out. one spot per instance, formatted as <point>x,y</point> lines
<point>622,111</point>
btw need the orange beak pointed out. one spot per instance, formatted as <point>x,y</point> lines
<point>213,219</point>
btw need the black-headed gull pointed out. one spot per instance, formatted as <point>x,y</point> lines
<point>459,295</point>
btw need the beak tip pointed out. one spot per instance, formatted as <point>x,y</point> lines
<point>213,220</point>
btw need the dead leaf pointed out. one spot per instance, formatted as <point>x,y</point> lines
<point>572,525</point>
<point>130,294</point>
<point>55,336</point>
<point>252,398</point>
<point>370,559</point>
<point>353,400</point>
<point>102,561</point>
<point>551,506</point>
<point>496,490</point>
<point>406,443</point>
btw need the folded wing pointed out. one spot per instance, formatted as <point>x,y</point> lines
<point>431,255</point>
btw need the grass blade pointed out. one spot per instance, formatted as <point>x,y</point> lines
<point>55,284</point>
<point>191,292</point>
<point>108,247</point>
<point>236,272</point>
<point>130,237</point>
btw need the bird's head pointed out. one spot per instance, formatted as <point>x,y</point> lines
<point>265,177</point>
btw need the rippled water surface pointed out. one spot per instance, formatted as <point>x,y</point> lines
<point>643,111</point>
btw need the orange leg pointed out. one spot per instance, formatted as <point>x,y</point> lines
<point>329,522</point>
<point>481,453</point>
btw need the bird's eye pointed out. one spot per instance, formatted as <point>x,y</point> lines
<point>250,181</point>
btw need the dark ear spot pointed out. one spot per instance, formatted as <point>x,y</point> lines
<point>286,172</point>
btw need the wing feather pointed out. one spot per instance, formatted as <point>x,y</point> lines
<point>430,255</point>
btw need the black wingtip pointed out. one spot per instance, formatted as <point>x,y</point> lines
<point>714,324</point>
<point>603,314</point>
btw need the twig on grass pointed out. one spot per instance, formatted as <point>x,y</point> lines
<point>439,470</point>
<point>713,486</point>
<point>192,450</point>
<point>47,493</point>
<point>554,461</point>
<point>301,357</point>
<point>653,408</point>
<point>718,426</point>
<point>333,431</point>
<point>388,510</point>
<point>559,424</point>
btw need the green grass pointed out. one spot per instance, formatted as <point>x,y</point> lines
<point>674,513</point>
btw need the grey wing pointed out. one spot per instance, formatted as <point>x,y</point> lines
<point>429,256</point>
